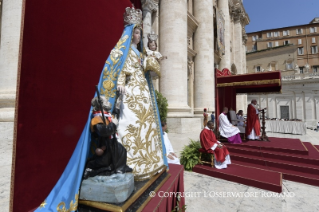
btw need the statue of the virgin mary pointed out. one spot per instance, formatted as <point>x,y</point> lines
<point>139,122</point>
<point>139,128</point>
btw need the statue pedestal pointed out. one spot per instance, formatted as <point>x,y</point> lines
<point>136,201</point>
<point>111,189</point>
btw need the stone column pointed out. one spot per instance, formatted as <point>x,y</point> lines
<point>173,43</point>
<point>204,61</point>
<point>148,7</point>
<point>225,61</point>
<point>9,56</point>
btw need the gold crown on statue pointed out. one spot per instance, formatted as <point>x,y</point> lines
<point>152,36</point>
<point>132,16</point>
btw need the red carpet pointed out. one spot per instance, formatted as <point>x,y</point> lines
<point>295,160</point>
<point>250,176</point>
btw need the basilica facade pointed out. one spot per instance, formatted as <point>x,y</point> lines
<point>195,36</point>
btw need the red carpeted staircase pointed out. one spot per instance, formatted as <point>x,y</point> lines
<point>289,159</point>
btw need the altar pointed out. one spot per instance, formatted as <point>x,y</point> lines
<point>288,127</point>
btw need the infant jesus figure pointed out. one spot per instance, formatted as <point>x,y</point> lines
<point>153,57</point>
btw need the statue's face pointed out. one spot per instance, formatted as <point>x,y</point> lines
<point>136,36</point>
<point>152,46</point>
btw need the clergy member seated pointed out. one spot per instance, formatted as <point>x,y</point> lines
<point>171,156</point>
<point>253,124</point>
<point>211,145</point>
<point>240,117</point>
<point>227,130</point>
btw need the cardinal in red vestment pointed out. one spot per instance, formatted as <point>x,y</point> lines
<point>210,144</point>
<point>253,124</point>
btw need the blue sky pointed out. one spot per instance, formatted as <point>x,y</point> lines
<point>269,14</point>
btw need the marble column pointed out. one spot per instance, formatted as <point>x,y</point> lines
<point>204,61</point>
<point>173,44</point>
<point>238,59</point>
<point>225,61</point>
<point>9,56</point>
<point>148,7</point>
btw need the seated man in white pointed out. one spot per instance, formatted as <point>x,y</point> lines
<point>171,156</point>
<point>227,130</point>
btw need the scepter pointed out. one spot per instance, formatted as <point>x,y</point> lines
<point>100,103</point>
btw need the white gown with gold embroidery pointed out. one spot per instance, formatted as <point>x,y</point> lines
<point>137,127</point>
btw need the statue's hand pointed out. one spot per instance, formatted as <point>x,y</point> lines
<point>121,89</point>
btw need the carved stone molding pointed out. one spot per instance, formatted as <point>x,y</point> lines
<point>149,6</point>
<point>191,53</point>
<point>192,24</point>
<point>238,13</point>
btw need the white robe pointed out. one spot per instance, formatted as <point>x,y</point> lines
<point>169,149</point>
<point>138,128</point>
<point>226,129</point>
<point>240,120</point>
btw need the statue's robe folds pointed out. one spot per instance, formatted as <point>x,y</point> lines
<point>138,128</point>
<point>253,124</point>
<point>210,144</point>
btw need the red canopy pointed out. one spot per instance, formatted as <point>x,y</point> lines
<point>227,86</point>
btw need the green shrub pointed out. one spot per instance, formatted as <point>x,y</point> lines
<point>190,155</point>
<point>162,105</point>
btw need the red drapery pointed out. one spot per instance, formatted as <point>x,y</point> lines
<point>225,96</point>
<point>65,45</point>
<point>173,185</point>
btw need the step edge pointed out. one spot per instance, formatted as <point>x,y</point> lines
<point>276,162</point>
<point>282,155</point>
<point>280,176</point>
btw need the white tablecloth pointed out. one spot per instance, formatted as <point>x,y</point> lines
<point>292,127</point>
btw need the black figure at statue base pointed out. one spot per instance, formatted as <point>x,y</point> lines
<point>110,156</point>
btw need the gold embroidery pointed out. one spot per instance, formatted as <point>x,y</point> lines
<point>42,205</point>
<point>111,70</point>
<point>73,206</point>
<point>152,65</point>
<point>141,137</point>
<point>259,82</point>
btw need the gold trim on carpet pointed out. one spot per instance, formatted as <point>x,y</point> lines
<point>254,82</point>
<point>14,143</point>
<point>274,153</point>
<point>168,189</point>
<point>130,201</point>
<point>270,147</point>
<point>155,190</point>
<point>264,160</point>
<point>314,147</point>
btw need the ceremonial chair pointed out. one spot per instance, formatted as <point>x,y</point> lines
<point>212,157</point>
<point>234,121</point>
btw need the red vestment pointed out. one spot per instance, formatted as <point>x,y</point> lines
<point>207,140</point>
<point>252,121</point>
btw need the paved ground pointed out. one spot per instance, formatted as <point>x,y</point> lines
<point>203,193</point>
